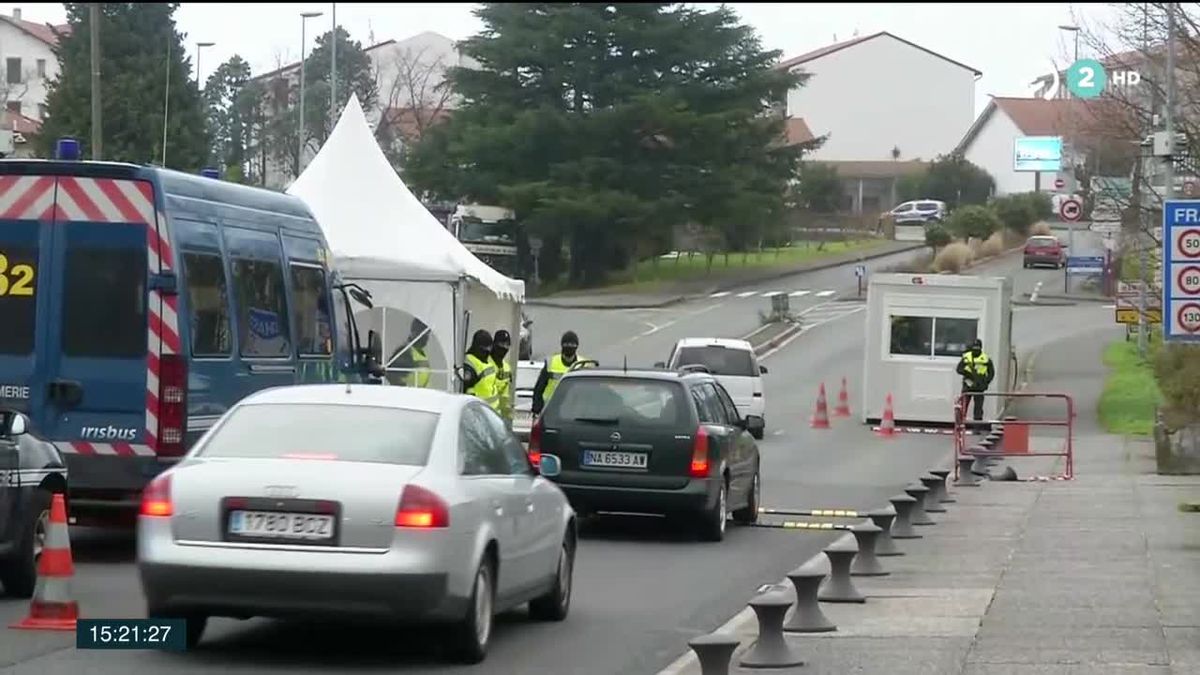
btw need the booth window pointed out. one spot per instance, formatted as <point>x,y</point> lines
<point>952,337</point>
<point>931,336</point>
<point>912,335</point>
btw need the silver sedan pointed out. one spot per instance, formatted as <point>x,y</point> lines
<point>394,503</point>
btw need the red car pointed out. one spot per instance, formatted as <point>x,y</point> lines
<point>1045,250</point>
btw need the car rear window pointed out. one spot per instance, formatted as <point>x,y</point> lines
<point>105,286</point>
<point>348,433</point>
<point>624,401</point>
<point>1043,241</point>
<point>719,360</point>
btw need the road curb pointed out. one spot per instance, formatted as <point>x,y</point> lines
<point>676,299</point>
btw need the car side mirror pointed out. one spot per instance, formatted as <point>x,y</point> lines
<point>549,466</point>
<point>659,364</point>
<point>755,424</point>
<point>762,370</point>
<point>16,425</point>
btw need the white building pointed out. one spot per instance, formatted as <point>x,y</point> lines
<point>885,106</point>
<point>27,55</point>
<point>412,93</point>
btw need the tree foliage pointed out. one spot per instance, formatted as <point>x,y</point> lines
<point>956,181</point>
<point>820,188</point>
<point>937,236</point>
<point>973,221</point>
<point>1015,211</point>
<point>135,38</point>
<point>233,115</point>
<point>602,123</point>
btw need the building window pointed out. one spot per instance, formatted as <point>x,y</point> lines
<point>14,107</point>
<point>41,68</point>
<point>14,71</point>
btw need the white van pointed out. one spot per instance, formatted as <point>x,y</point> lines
<point>735,366</point>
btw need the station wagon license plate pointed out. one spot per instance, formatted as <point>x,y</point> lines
<point>275,525</point>
<point>615,460</point>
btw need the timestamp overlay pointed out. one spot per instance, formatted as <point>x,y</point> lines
<point>129,634</point>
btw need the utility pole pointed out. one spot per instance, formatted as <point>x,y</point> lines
<point>97,128</point>
<point>333,69</point>
<point>1168,169</point>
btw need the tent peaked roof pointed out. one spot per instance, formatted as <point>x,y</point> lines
<point>369,214</point>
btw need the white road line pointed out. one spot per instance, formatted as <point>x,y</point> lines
<point>747,294</point>
<point>1108,307</point>
<point>720,294</point>
<point>800,294</point>
<point>825,294</point>
<point>769,294</point>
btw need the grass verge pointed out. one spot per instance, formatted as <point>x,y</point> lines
<point>1130,394</point>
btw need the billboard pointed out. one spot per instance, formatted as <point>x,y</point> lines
<point>1038,153</point>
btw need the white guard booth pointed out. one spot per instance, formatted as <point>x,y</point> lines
<point>918,327</point>
<point>421,279</point>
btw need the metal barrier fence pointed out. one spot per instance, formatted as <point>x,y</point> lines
<point>1012,436</point>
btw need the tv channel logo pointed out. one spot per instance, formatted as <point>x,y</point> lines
<point>1087,78</point>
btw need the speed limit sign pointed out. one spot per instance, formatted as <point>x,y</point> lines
<point>1188,243</point>
<point>1188,317</point>
<point>1187,282</point>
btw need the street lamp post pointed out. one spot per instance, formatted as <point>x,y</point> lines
<point>199,75</point>
<point>304,17</point>
<point>333,67</point>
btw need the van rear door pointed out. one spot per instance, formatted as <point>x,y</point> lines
<point>108,326</point>
<point>26,204</point>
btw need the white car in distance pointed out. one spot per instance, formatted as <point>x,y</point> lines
<point>734,364</point>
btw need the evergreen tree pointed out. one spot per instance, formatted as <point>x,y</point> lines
<point>605,125</point>
<point>134,39</point>
<point>230,106</point>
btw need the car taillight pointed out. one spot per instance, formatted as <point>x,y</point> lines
<point>699,468</point>
<point>172,404</point>
<point>535,443</point>
<point>420,508</point>
<point>156,498</point>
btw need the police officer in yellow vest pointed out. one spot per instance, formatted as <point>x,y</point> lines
<point>977,371</point>
<point>501,343</point>
<point>479,375</point>
<point>414,362</point>
<point>555,368</point>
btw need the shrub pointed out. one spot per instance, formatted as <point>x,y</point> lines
<point>1040,203</point>
<point>937,236</point>
<point>1016,212</point>
<point>1041,228</point>
<point>993,246</point>
<point>953,258</point>
<point>1177,368</point>
<point>973,221</point>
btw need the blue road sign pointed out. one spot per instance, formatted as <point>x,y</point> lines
<point>1085,264</point>
<point>1181,270</point>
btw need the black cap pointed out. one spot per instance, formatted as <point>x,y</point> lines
<point>481,339</point>
<point>502,336</point>
<point>569,337</point>
<point>977,343</point>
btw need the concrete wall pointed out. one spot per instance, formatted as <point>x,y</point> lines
<point>881,94</point>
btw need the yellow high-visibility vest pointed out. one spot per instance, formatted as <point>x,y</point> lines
<point>555,369</point>
<point>503,387</point>
<point>976,364</point>
<point>420,374</point>
<point>485,387</point>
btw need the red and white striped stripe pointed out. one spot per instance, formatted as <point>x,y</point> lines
<point>106,200</point>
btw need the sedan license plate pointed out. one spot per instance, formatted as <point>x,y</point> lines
<point>276,525</point>
<point>615,460</point>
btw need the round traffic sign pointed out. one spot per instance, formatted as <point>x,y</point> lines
<point>1072,210</point>
<point>1059,183</point>
<point>1189,317</point>
<point>1188,280</point>
<point>1189,243</point>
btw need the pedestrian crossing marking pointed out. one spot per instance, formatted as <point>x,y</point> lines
<point>800,294</point>
<point>747,294</point>
<point>771,294</point>
<point>720,294</point>
<point>825,294</point>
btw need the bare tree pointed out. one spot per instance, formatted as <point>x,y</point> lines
<point>417,98</point>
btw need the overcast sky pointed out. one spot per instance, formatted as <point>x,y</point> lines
<point>1012,43</point>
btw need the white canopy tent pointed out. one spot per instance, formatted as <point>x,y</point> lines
<point>387,242</point>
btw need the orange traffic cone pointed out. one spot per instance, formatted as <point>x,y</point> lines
<point>843,406</point>
<point>821,418</point>
<point>887,426</point>
<point>53,607</point>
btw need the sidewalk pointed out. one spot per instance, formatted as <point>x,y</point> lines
<point>1099,575</point>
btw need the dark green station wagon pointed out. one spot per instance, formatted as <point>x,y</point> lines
<point>652,442</point>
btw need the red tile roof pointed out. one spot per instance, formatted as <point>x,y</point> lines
<point>19,123</point>
<point>837,47</point>
<point>41,31</point>
<point>1092,119</point>
<point>797,131</point>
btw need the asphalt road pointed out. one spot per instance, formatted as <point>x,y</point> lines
<point>641,590</point>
